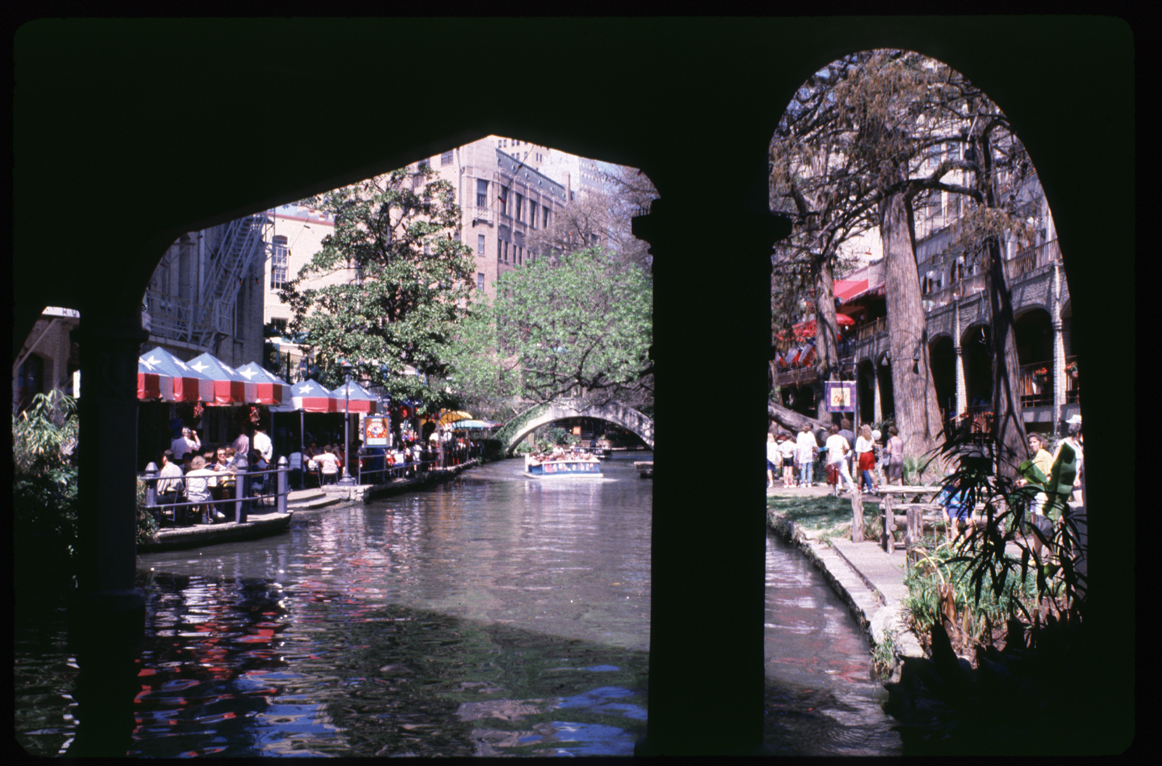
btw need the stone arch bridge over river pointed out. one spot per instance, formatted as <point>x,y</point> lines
<point>511,433</point>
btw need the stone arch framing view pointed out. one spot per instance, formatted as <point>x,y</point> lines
<point>690,107</point>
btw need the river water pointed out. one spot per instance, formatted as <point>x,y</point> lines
<point>493,615</point>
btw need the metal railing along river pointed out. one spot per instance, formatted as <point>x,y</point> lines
<point>250,489</point>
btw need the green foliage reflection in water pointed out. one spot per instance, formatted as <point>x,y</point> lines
<point>503,686</point>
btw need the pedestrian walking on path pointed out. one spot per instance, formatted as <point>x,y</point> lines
<point>837,451</point>
<point>806,448</point>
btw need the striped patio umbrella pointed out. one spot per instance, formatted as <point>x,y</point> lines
<point>151,383</point>
<point>355,398</point>
<point>309,396</point>
<point>188,384</point>
<point>269,389</point>
<point>229,386</point>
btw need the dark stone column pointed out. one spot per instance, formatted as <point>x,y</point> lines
<point>106,613</point>
<point>712,343</point>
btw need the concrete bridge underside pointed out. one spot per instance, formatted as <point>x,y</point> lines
<point>543,414</point>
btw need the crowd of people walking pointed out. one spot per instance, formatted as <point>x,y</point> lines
<point>806,460</point>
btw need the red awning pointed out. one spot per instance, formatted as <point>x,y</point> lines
<point>807,329</point>
<point>846,289</point>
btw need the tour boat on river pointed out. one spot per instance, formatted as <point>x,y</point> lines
<point>562,465</point>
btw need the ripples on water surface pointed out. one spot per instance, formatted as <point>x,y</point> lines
<point>493,615</point>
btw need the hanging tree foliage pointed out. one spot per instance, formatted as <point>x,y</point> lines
<point>867,142</point>
<point>577,325</point>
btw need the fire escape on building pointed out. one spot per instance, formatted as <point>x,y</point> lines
<point>207,318</point>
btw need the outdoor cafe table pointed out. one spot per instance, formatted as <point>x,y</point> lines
<point>913,499</point>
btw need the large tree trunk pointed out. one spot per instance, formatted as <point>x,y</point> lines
<point>917,411</point>
<point>826,325</point>
<point>793,421</point>
<point>1008,422</point>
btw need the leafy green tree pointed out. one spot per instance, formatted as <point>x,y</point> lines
<point>44,489</point>
<point>580,326</point>
<point>389,286</point>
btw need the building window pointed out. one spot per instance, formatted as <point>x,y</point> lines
<point>533,214</point>
<point>480,244</point>
<point>479,281</point>
<point>279,260</point>
<point>504,201</point>
<point>481,193</point>
<point>519,203</point>
<point>546,217</point>
<point>446,158</point>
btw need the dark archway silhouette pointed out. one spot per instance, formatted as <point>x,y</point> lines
<point>113,164</point>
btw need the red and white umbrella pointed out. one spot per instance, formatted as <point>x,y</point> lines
<point>354,398</point>
<point>309,396</point>
<point>229,386</point>
<point>188,384</point>
<point>151,383</point>
<point>269,389</point>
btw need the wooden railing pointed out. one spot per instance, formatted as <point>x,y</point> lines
<point>872,329</point>
<point>1036,387</point>
<point>1033,258</point>
<point>1072,386</point>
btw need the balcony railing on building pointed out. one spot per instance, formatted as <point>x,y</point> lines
<point>1072,387</point>
<point>1035,382</point>
<point>1024,262</point>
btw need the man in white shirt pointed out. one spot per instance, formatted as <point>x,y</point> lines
<point>837,449</point>
<point>169,489</point>
<point>805,449</point>
<point>295,466</point>
<point>263,444</point>
<point>187,442</point>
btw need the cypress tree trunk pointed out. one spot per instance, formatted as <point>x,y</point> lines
<point>1008,423</point>
<point>826,349</point>
<point>917,411</point>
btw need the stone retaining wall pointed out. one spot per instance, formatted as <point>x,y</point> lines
<point>880,618</point>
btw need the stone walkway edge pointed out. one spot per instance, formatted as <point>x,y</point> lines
<point>868,579</point>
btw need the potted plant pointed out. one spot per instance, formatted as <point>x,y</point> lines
<point>1040,379</point>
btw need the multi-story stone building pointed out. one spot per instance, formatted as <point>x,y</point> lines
<point>959,326</point>
<point>507,189</point>
<point>206,293</point>
<point>205,296</point>
<point>48,358</point>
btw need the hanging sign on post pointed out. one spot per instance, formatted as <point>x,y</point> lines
<point>839,396</point>
<point>375,432</point>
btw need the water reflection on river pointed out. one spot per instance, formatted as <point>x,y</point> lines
<point>493,615</point>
